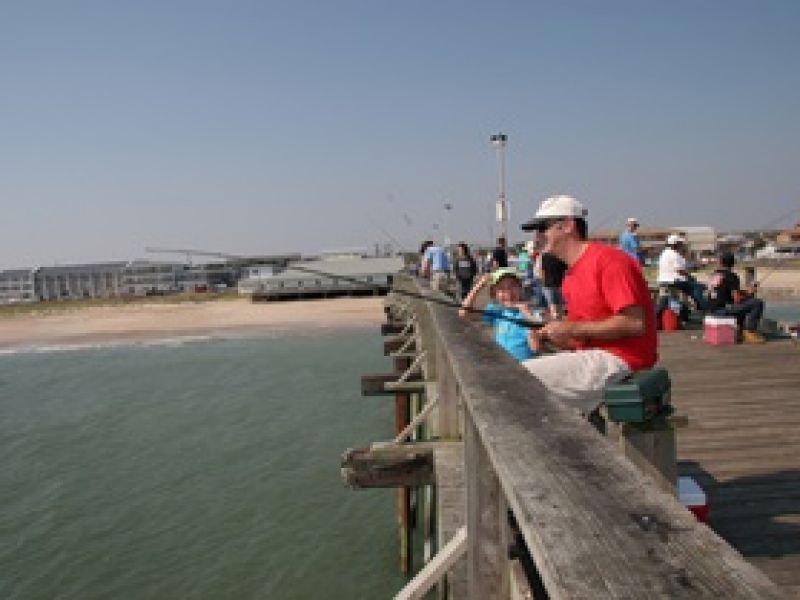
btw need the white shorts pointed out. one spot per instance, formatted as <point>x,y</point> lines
<point>578,378</point>
<point>439,281</point>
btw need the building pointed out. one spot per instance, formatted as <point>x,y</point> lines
<point>151,278</point>
<point>18,285</point>
<point>321,278</point>
<point>702,240</point>
<point>70,282</point>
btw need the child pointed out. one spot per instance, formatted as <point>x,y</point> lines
<point>505,290</point>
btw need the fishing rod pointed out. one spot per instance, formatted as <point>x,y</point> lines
<point>478,311</point>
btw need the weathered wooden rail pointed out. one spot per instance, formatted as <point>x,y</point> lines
<point>531,501</point>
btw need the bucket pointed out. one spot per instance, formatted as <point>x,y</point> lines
<point>670,320</point>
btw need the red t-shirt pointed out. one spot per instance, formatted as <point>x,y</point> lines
<point>600,284</point>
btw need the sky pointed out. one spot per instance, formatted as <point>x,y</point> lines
<point>270,127</point>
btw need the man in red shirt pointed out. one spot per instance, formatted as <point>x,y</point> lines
<point>610,325</point>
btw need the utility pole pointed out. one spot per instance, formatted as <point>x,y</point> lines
<point>498,140</point>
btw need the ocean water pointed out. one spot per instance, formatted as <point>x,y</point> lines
<point>201,470</point>
<point>783,311</point>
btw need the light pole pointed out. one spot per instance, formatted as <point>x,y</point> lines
<point>447,208</point>
<point>499,140</point>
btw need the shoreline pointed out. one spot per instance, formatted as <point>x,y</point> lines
<point>143,323</point>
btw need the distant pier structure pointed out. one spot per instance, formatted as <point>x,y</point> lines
<point>504,492</point>
<point>329,276</point>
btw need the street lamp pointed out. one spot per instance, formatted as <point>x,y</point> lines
<point>498,140</point>
<point>447,208</point>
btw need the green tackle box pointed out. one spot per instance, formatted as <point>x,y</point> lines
<point>639,397</point>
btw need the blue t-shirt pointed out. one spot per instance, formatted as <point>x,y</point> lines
<point>629,243</point>
<point>438,258</point>
<point>510,336</point>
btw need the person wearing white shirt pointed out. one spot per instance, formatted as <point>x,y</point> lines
<point>673,272</point>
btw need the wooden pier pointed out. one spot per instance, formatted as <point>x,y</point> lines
<point>514,495</point>
<point>742,443</point>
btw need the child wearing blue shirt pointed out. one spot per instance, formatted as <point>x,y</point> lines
<point>505,290</point>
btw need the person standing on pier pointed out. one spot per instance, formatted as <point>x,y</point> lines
<point>629,240</point>
<point>465,270</point>
<point>436,265</point>
<point>500,255</point>
<point>610,325</point>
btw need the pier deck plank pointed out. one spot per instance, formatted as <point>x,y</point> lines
<point>742,444</point>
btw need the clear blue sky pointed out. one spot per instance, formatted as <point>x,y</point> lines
<point>264,127</point>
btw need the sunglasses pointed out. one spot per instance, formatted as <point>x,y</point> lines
<point>547,224</point>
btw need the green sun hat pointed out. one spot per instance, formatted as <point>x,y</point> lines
<point>503,272</point>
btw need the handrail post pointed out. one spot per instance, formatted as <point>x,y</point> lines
<point>449,402</point>
<point>486,555</point>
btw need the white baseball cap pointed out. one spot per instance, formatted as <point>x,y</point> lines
<point>632,220</point>
<point>553,208</point>
<point>675,238</point>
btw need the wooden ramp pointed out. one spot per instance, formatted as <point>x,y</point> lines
<point>743,443</point>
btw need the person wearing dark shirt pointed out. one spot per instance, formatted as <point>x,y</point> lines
<point>464,269</point>
<point>500,255</point>
<point>729,300</point>
<point>552,274</point>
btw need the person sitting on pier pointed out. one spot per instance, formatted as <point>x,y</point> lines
<point>729,300</point>
<point>673,272</point>
<point>506,291</point>
<point>610,324</point>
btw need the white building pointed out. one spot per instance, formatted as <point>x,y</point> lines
<point>321,278</point>
<point>702,240</point>
<point>18,285</point>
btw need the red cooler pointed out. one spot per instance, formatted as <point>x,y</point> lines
<point>719,331</point>
<point>694,498</point>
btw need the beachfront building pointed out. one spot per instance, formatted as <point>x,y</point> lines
<point>207,277</point>
<point>787,243</point>
<point>17,285</point>
<point>70,282</point>
<point>332,276</point>
<point>151,278</point>
<point>702,240</point>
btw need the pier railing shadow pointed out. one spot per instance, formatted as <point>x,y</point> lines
<point>538,475</point>
<point>751,513</point>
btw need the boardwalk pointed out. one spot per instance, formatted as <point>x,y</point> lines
<point>742,443</point>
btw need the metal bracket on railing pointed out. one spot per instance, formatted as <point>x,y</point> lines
<point>415,422</point>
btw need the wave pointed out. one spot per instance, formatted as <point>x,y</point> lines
<point>172,341</point>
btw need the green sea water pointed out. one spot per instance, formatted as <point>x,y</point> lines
<point>203,470</point>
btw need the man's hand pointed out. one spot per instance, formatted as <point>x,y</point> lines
<point>561,333</point>
<point>627,323</point>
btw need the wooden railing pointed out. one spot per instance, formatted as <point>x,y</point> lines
<point>553,509</point>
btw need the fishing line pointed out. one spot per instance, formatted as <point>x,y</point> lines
<point>519,321</point>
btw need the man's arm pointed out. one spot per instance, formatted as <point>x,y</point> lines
<point>628,322</point>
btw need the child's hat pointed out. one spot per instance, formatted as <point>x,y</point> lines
<point>503,272</point>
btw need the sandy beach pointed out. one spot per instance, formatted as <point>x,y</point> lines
<point>154,321</point>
